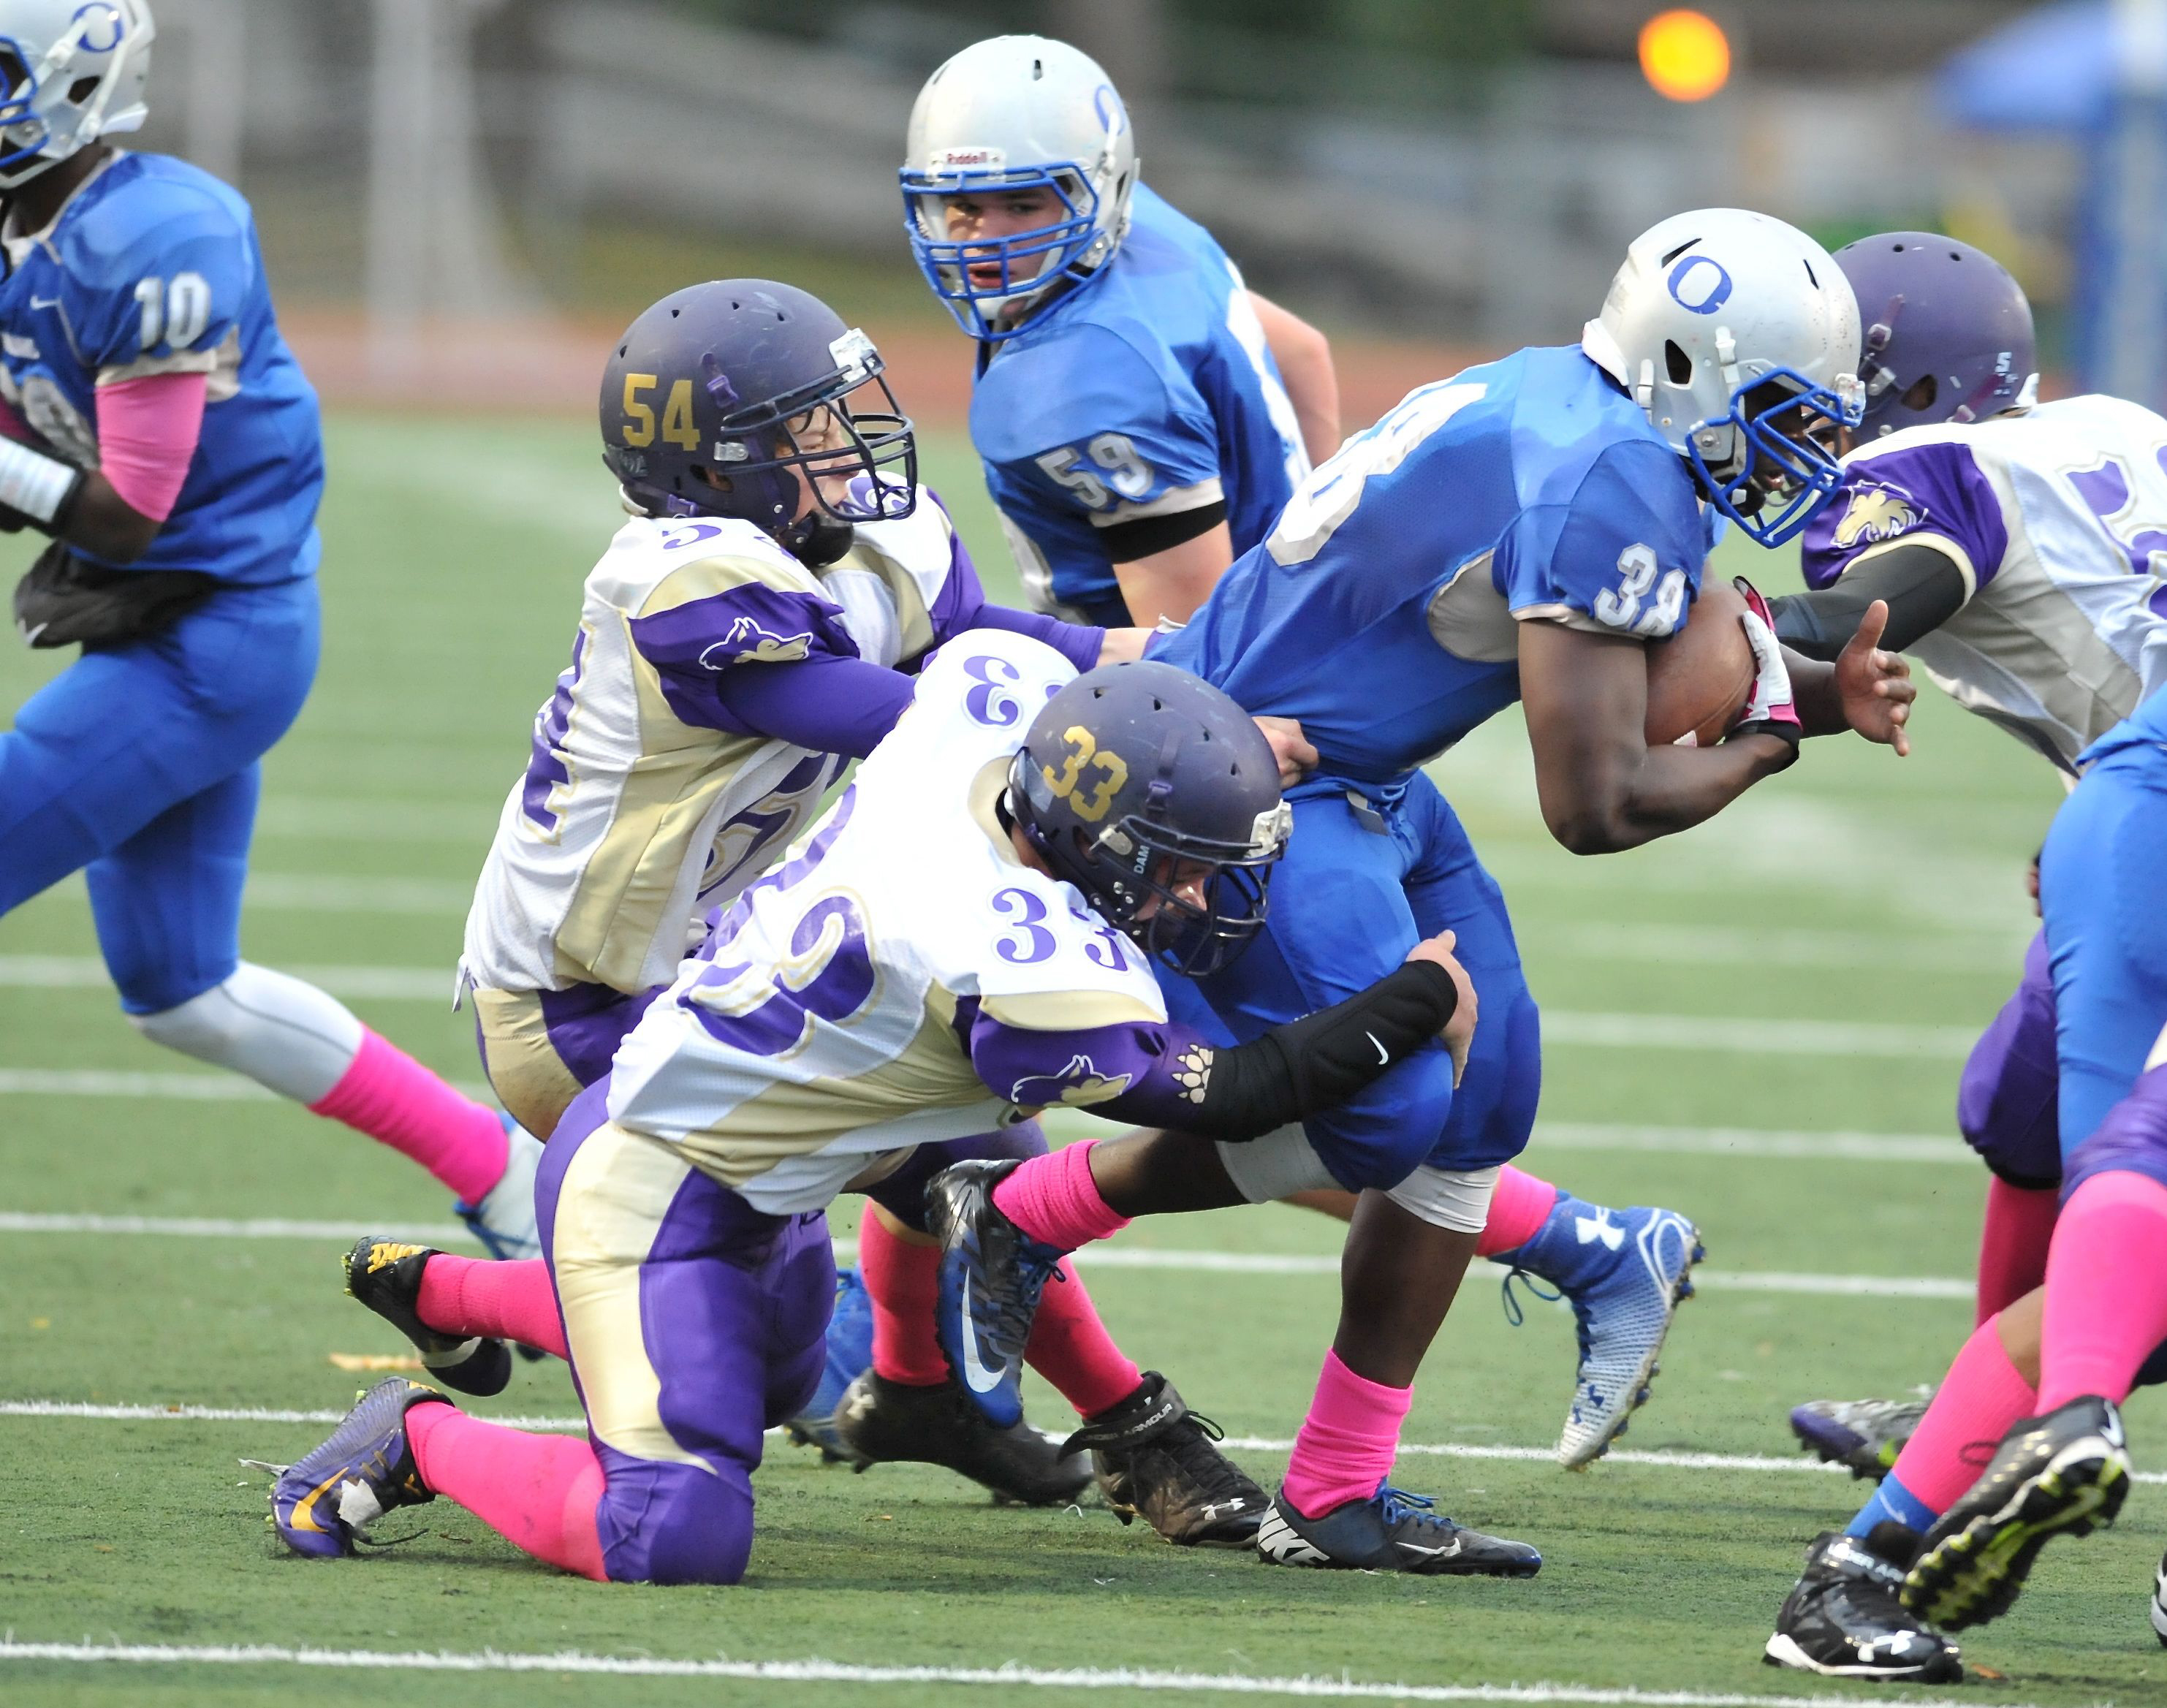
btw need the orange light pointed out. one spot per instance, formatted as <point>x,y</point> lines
<point>1684,55</point>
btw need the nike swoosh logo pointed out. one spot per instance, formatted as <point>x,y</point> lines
<point>981,1379</point>
<point>44,302</point>
<point>1383,1059</point>
<point>1445,1552</point>
<point>303,1515</point>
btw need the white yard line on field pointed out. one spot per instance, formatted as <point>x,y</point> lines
<point>392,983</point>
<point>1756,1462</point>
<point>102,1082</point>
<point>1101,1257</point>
<point>1011,1676</point>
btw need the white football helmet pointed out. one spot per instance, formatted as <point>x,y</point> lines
<point>70,73</point>
<point>1737,334</point>
<point>1017,112</point>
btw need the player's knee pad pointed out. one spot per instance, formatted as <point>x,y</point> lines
<point>1457,1200</point>
<point>663,1523</point>
<point>1281,1163</point>
<point>281,1032</point>
<point>2132,1140</point>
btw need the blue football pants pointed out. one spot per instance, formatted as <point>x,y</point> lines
<point>1370,872</point>
<point>138,766</point>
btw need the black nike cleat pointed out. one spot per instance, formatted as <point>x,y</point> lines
<point>323,1504</point>
<point>2159,1602</point>
<point>878,1421</point>
<point>1156,1461</point>
<point>1390,1531</point>
<point>2061,1474</point>
<point>386,1276</point>
<point>992,1274</point>
<point>1845,1618</point>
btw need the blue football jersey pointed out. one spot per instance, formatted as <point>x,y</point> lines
<point>1384,609</point>
<point>1147,392</point>
<point>152,268</point>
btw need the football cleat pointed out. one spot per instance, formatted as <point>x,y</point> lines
<point>1863,1436</point>
<point>1391,1531</point>
<point>1844,1619</point>
<point>1624,1272</point>
<point>879,1420</point>
<point>504,1218</point>
<point>2159,1602</point>
<point>323,1504</point>
<point>992,1274</point>
<point>850,1355</point>
<point>2061,1474</point>
<point>386,1276</point>
<point>1155,1461</point>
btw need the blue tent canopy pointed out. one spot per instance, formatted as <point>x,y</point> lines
<point>2049,70</point>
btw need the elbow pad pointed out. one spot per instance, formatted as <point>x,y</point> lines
<point>1311,1065</point>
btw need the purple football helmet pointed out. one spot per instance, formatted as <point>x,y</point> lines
<point>717,397</point>
<point>1947,331</point>
<point>1136,780</point>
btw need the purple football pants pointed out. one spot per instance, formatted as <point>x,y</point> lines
<point>695,1323</point>
<point>2007,1098</point>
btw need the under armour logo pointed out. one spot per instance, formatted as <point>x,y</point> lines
<point>1599,1227</point>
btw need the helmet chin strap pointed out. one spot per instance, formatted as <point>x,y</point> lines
<point>818,539</point>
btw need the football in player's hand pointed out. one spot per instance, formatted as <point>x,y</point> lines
<point>1700,679</point>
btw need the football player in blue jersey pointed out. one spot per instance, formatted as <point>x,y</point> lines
<point>1136,437</point>
<point>1143,416</point>
<point>157,428</point>
<point>1521,531</point>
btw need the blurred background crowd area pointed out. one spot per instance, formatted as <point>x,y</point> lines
<point>461,201</point>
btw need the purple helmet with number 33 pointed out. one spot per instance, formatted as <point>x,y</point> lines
<point>729,399</point>
<point>1145,787</point>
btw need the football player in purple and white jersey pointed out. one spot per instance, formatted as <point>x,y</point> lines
<point>2014,544</point>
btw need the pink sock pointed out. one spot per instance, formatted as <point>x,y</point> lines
<point>541,1493</point>
<point>2106,1289</point>
<point>1070,1347</point>
<point>1517,1210</point>
<point>392,1098</point>
<point>1980,1397</point>
<point>1053,1199</point>
<point>2012,1244</point>
<point>903,1283</point>
<point>1345,1446</point>
<point>511,1301</point>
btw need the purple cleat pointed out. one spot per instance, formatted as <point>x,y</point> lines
<point>322,1504</point>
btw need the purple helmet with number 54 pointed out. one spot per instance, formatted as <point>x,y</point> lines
<point>1158,798</point>
<point>1947,331</point>
<point>730,399</point>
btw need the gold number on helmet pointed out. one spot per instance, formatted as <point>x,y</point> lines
<point>677,417</point>
<point>639,417</point>
<point>1094,804</point>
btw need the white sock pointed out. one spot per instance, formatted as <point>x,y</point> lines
<point>281,1032</point>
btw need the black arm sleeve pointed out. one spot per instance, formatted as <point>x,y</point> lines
<point>1923,586</point>
<point>1309,1065</point>
<point>1128,541</point>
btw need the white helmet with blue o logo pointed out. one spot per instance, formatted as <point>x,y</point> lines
<point>1739,334</point>
<point>1017,113</point>
<point>71,72</point>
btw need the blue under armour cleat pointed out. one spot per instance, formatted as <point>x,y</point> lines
<point>1390,1531</point>
<point>322,1503</point>
<point>504,1220</point>
<point>1624,1273</point>
<point>850,1355</point>
<point>992,1274</point>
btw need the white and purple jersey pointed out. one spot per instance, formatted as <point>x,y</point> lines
<point>2057,518</point>
<point>653,792</point>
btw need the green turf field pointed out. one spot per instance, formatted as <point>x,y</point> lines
<point>1814,962</point>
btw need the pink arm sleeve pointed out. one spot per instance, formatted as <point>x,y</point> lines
<point>13,426</point>
<point>147,430</point>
